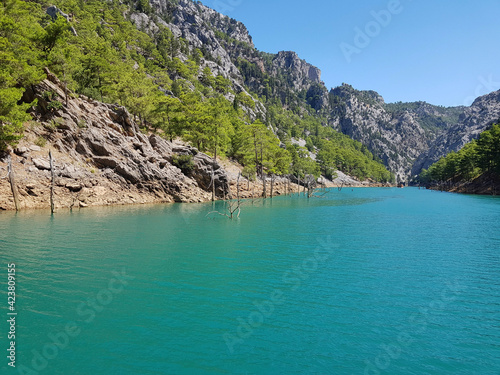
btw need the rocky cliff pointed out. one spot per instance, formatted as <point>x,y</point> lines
<point>228,50</point>
<point>101,158</point>
<point>405,136</point>
<point>409,136</point>
<point>396,133</point>
<point>483,112</point>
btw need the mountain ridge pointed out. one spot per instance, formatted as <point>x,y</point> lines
<point>405,136</point>
<point>176,64</point>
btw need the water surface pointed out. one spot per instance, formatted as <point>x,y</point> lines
<point>363,281</point>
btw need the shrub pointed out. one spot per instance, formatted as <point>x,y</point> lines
<point>54,105</point>
<point>40,142</point>
<point>184,163</point>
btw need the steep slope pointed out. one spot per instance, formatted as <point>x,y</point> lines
<point>101,157</point>
<point>228,49</point>
<point>397,133</point>
<point>483,112</point>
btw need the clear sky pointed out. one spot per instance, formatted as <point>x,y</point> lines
<point>440,51</point>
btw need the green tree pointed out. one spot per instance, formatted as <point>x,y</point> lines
<point>20,65</point>
<point>167,115</point>
<point>489,149</point>
<point>221,84</point>
<point>207,77</point>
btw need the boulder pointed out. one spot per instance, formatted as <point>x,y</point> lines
<point>21,151</point>
<point>106,162</point>
<point>82,148</point>
<point>41,164</point>
<point>202,174</point>
<point>74,187</point>
<point>128,173</point>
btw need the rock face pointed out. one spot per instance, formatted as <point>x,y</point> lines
<point>225,43</point>
<point>409,136</point>
<point>101,157</point>
<point>475,119</point>
<point>405,136</point>
<point>198,25</point>
<point>486,184</point>
<point>299,70</point>
<point>397,133</point>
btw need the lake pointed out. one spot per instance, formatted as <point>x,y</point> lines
<point>361,281</point>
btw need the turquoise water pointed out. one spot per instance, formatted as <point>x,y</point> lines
<point>363,281</point>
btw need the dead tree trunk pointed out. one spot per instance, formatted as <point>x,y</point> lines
<point>231,208</point>
<point>65,87</point>
<point>272,185</point>
<point>52,183</point>
<point>213,183</point>
<point>311,185</point>
<point>13,186</point>
<point>264,192</point>
<point>238,188</point>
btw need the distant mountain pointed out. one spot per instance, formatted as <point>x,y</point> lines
<point>405,136</point>
<point>483,112</point>
<point>409,136</point>
<point>169,61</point>
<point>397,133</point>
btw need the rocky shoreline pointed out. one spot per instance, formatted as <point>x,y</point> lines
<point>102,158</point>
<point>486,184</point>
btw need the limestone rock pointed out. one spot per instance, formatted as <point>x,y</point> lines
<point>106,161</point>
<point>21,151</point>
<point>41,164</point>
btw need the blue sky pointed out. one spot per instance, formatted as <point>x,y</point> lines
<point>440,51</point>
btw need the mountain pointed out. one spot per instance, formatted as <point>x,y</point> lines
<point>483,112</point>
<point>228,49</point>
<point>405,136</point>
<point>183,70</point>
<point>409,136</point>
<point>397,133</point>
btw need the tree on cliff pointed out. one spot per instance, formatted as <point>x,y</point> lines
<point>162,79</point>
<point>474,159</point>
<point>18,32</point>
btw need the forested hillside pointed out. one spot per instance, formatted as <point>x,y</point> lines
<point>126,53</point>
<point>478,161</point>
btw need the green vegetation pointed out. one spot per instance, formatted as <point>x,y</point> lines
<point>432,117</point>
<point>335,151</point>
<point>474,159</point>
<point>184,162</point>
<point>19,32</point>
<point>163,81</point>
